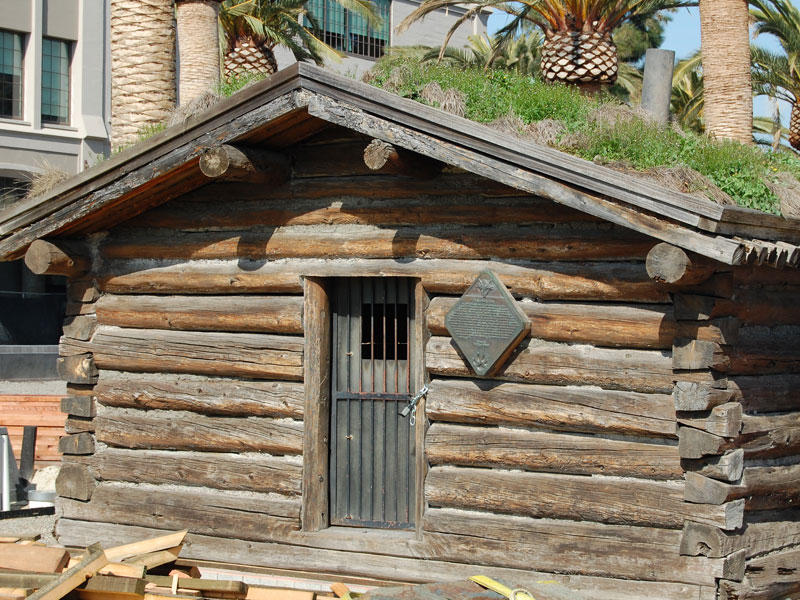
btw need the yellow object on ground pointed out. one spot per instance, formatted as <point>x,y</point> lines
<point>496,586</point>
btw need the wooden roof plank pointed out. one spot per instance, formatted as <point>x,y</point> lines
<point>722,249</point>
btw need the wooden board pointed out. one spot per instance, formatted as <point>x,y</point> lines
<point>39,559</point>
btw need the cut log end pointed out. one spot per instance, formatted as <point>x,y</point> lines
<point>669,264</point>
<point>56,257</point>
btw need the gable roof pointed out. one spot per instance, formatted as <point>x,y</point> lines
<point>303,99</point>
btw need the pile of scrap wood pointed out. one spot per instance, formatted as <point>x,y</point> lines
<point>30,570</point>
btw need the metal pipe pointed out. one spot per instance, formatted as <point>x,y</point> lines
<point>657,82</point>
<point>6,490</point>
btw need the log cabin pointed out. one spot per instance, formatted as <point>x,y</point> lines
<point>258,296</point>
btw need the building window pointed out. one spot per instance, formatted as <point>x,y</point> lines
<point>348,32</point>
<point>372,442</point>
<point>10,75</point>
<point>55,81</point>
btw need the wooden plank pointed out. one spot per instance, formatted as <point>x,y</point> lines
<point>536,242</point>
<point>566,408</point>
<point>153,544</point>
<point>255,517</point>
<point>376,566</point>
<point>643,503</point>
<point>26,579</point>
<point>98,586</point>
<point>235,589</point>
<point>536,361</point>
<point>567,547</point>
<point>39,559</point>
<point>263,356</point>
<point>549,452</point>
<point>262,473</point>
<point>74,576</point>
<point>317,367</point>
<point>156,559</point>
<point>209,434</point>
<point>598,324</point>
<point>600,281</point>
<point>252,314</point>
<point>209,396</point>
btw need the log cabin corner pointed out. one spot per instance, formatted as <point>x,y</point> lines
<point>226,374</point>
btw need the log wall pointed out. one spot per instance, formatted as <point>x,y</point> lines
<point>187,362</point>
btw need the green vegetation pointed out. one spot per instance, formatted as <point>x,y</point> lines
<point>596,128</point>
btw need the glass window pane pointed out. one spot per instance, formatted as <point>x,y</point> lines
<point>10,74</point>
<point>55,81</point>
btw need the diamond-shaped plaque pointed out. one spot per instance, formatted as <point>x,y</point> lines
<point>486,324</point>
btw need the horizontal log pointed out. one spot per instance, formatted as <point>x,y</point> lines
<point>751,307</point>
<point>597,324</point>
<point>669,264</point>
<point>599,499</point>
<point>764,590</point>
<point>79,406</point>
<point>726,467</point>
<point>383,157</point>
<point>694,443</point>
<point>256,517</point>
<point>781,568</point>
<point>239,163</point>
<point>764,488</point>
<point>759,537</point>
<point>554,407</point>
<point>230,397</point>
<point>377,566</point>
<point>551,363</point>
<point>693,396</point>
<point>58,257</point>
<point>74,481</point>
<point>549,452</point>
<point>542,242</point>
<point>770,393</point>
<point>690,354</point>
<point>767,436</point>
<point>257,473</point>
<point>253,314</point>
<point>724,420</point>
<point>79,443</point>
<point>374,200</point>
<point>207,434</point>
<point>600,281</point>
<point>725,330</point>
<point>79,425</point>
<point>263,356</point>
<point>568,547</point>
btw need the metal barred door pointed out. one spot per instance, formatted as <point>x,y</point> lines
<point>372,449</point>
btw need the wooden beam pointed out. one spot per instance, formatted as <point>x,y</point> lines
<point>74,576</point>
<point>75,481</point>
<point>764,488</point>
<point>694,443</point>
<point>693,396</point>
<point>669,264</point>
<point>688,354</point>
<point>386,158</point>
<point>77,368</point>
<point>725,467</point>
<point>79,443</point>
<point>58,257</point>
<point>152,544</point>
<point>724,420</point>
<point>39,559</point>
<point>79,406</point>
<point>316,411</point>
<point>759,537</point>
<point>237,163</point>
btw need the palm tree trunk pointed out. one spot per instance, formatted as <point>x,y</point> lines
<point>794,126</point>
<point>142,66</point>
<point>198,44</point>
<point>728,91</point>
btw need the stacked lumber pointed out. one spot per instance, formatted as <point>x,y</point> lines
<point>43,412</point>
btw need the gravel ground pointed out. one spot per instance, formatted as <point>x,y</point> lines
<point>44,526</point>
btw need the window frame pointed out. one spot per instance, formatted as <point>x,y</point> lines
<point>47,120</point>
<point>20,102</point>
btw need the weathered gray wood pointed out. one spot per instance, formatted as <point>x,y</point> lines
<point>82,290</point>
<point>764,488</point>
<point>94,559</point>
<point>770,393</point>
<point>751,307</point>
<point>80,443</point>
<point>252,473</point>
<point>770,436</point>
<point>726,467</point>
<point>244,517</point>
<point>694,443</point>
<point>80,327</point>
<point>602,281</point>
<point>773,576</point>
<point>115,587</point>
<point>724,420</point>
<point>239,163</point>
<point>581,409</point>
<point>74,481</point>
<point>561,364</point>
<point>265,314</point>
<point>537,242</point>
<point>725,330</point>
<point>693,396</point>
<point>316,411</point>
<point>549,452</point>
<point>79,406</point>
<point>208,434</point>
<point>378,566</point>
<point>235,589</point>
<point>77,368</point>
<point>383,157</point>
<point>217,396</point>
<point>598,324</point>
<point>669,264</point>
<point>688,354</point>
<point>58,257</point>
<point>644,503</point>
<point>564,546</point>
<point>79,425</point>
<point>756,538</point>
<point>263,356</point>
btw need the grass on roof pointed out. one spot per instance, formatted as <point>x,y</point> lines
<point>594,128</point>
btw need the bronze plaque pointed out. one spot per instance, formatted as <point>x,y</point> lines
<point>486,324</point>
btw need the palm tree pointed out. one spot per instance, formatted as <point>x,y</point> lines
<point>725,44</point>
<point>251,29</point>
<point>142,65</point>
<point>777,75</point>
<point>198,39</point>
<point>520,54</point>
<point>578,47</point>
